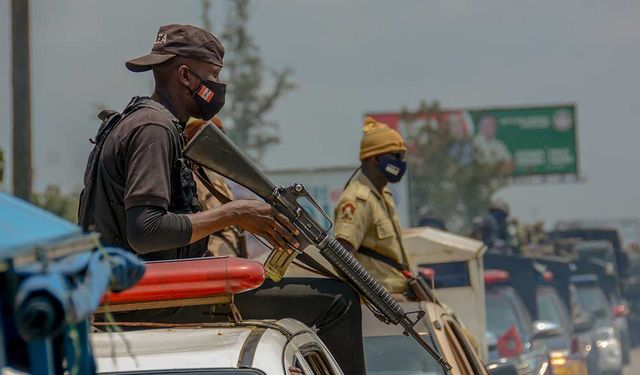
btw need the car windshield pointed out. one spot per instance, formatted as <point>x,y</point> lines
<point>592,299</point>
<point>502,315</point>
<point>398,355</point>
<point>603,254</point>
<point>547,309</point>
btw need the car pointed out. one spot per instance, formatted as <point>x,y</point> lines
<point>572,351</point>
<point>250,347</point>
<point>278,347</point>
<point>604,246</point>
<point>389,352</point>
<point>511,333</point>
<point>590,297</point>
<point>568,352</point>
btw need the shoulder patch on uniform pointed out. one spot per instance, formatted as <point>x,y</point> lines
<point>362,192</point>
<point>347,210</point>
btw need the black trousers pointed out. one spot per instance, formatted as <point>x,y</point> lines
<point>331,306</point>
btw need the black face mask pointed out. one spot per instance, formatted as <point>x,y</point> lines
<point>209,97</point>
<point>392,168</point>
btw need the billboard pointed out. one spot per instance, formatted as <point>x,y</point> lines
<point>522,141</point>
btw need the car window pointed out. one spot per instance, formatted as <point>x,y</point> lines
<point>398,355</point>
<point>315,359</point>
<point>502,315</point>
<point>550,308</point>
<point>591,299</point>
<point>318,363</point>
<point>604,254</point>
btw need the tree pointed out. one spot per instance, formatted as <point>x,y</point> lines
<point>446,179</point>
<point>248,100</point>
<point>58,202</point>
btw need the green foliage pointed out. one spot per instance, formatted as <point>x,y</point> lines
<point>58,202</point>
<point>249,97</point>
<point>446,180</point>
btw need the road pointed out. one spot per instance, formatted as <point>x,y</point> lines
<point>634,367</point>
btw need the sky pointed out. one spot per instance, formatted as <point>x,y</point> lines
<point>355,57</point>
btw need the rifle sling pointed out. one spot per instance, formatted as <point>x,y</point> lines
<point>382,258</point>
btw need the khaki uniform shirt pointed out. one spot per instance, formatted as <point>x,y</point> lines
<point>366,218</point>
<point>217,246</point>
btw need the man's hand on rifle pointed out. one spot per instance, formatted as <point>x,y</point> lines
<point>263,220</point>
<point>253,216</point>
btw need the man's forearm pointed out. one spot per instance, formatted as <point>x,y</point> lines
<point>210,221</point>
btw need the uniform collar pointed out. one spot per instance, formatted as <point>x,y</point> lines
<point>363,179</point>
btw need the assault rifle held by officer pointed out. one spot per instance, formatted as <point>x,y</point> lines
<point>211,149</point>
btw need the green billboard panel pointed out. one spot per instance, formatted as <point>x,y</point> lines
<point>520,141</point>
<point>532,140</point>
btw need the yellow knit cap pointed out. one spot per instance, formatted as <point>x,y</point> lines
<point>378,139</point>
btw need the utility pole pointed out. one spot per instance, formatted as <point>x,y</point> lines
<point>20,69</point>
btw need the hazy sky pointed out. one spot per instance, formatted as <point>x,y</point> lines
<point>358,56</point>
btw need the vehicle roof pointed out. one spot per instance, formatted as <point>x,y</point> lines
<point>194,347</point>
<point>187,348</point>
<point>430,245</point>
<point>25,226</point>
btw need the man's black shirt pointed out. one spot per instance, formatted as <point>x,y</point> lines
<point>144,186</point>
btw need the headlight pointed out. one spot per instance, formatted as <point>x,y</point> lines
<point>604,334</point>
<point>559,358</point>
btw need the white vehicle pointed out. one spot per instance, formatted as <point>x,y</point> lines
<point>279,348</point>
<point>389,352</point>
<point>283,347</point>
<point>455,264</point>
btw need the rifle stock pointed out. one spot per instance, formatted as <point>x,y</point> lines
<point>212,149</point>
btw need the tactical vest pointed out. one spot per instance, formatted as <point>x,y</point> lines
<point>100,186</point>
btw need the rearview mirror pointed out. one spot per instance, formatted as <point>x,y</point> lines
<point>502,368</point>
<point>543,329</point>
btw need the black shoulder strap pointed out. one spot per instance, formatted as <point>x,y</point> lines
<point>382,258</point>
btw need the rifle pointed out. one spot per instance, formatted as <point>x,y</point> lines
<point>211,149</point>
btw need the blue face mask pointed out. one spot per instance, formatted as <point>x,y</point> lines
<point>392,167</point>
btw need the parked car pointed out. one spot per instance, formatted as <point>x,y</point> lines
<point>590,297</point>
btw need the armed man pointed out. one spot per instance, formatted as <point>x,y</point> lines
<point>366,221</point>
<point>140,195</point>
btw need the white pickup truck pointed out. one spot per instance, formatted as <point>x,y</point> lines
<point>283,347</point>
<point>260,347</point>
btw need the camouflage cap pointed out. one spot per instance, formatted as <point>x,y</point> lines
<point>180,40</point>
